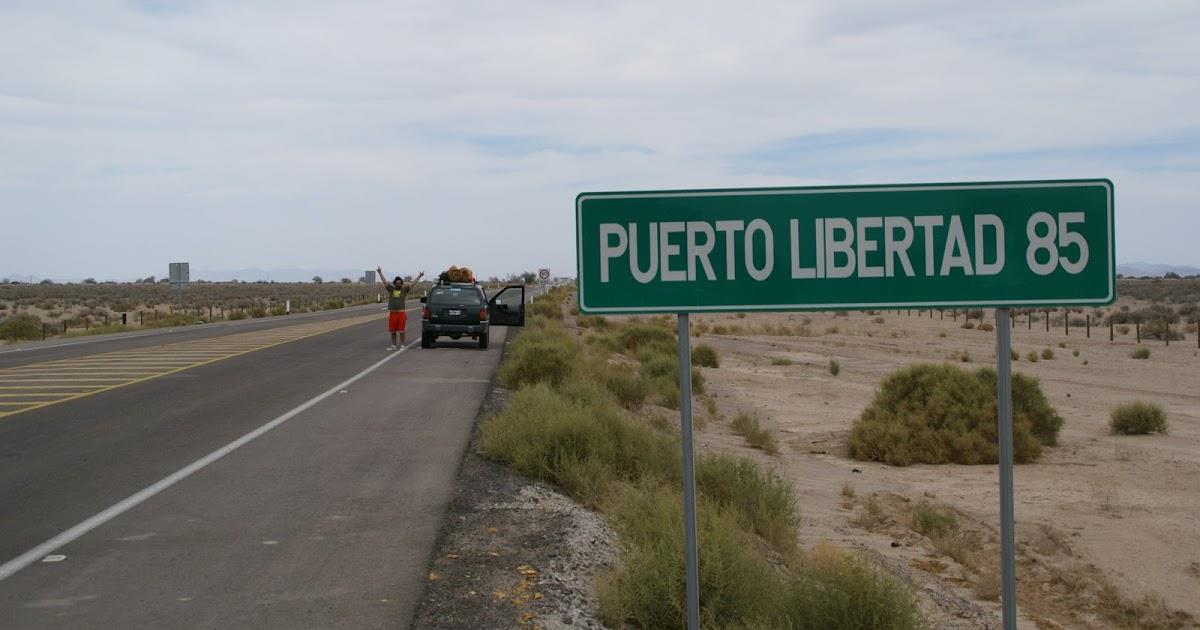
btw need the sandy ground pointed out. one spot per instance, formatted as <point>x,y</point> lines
<point>1130,506</point>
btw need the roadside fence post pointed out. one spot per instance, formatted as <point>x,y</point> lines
<point>1067,322</point>
<point>1137,326</point>
<point>1088,322</point>
<point>64,326</point>
<point>1047,320</point>
<point>44,327</point>
<point>124,319</point>
<point>1110,328</point>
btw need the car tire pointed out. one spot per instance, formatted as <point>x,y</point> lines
<point>483,340</point>
<point>427,340</point>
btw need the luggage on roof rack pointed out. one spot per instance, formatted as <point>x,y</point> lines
<point>456,274</point>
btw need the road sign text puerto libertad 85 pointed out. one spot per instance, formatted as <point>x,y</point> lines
<point>894,246</point>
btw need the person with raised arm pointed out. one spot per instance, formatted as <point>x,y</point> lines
<point>397,291</point>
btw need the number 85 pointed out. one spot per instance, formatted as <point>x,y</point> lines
<point>1065,238</point>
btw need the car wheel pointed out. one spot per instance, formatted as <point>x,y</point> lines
<point>483,341</point>
<point>427,340</point>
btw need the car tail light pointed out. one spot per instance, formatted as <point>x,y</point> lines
<point>425,313</point>
<point>483,314</point>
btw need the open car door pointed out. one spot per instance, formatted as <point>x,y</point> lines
<point>507,308</point>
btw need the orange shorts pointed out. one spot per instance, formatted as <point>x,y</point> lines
<point>397,321</point>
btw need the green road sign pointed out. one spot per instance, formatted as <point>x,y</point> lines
<point>847,247</point>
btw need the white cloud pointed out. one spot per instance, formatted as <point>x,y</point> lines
<point>259,134</point>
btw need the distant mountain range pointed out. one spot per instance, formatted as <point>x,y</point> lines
<point>1139,269</point>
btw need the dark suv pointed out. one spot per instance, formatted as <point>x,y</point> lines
<point>462,309</point>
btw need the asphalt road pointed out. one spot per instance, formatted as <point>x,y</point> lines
<point>325,520</point>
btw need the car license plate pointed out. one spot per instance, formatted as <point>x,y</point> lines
<point>454,311</point>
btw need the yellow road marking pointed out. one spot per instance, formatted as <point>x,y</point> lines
<point>94,374</point>
<point>47,386</point>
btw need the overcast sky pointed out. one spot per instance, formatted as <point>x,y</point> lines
<point>343,135</point>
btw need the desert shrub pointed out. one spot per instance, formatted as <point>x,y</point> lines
<point>969,325</point>
<point>21,327</point>
<point>630,389</point>
<point>1047,354</point>
<point>878,320</point>
<point>1140,353</point>
<point>986,327</point>
<point>329,305</point>
<point>780,361</point>
<point>548,356</point>
<point>739,589</point>
<point>634,336</point>
<point>737,586</point>
<point>836,589</point>
<point>834,367</point>
<point>548,308</point>
<point>1124,330</point>
<point>765,501</point>
<point>832,330</point>
<point>582,445</point>
<point>1016,356</point>
<point>755,435</point>
<point>599,322</point>
<point>1138,418</point>
<point>705,355</point>
<point>941,414</point>
<point>1032,357</point>
<point>238,314</point>
<point>933,521</point>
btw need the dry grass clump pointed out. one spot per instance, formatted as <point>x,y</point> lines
<point>938,414</point>
<point>932,521</point>
<point>1140,353</point>
<point>1138,418</point>
<point>21,327</point>
<point>706,356</point>
<point>756,436</point>
<point>781,361</point>
<point>1047,354</point>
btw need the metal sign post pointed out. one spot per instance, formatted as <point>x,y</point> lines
<point>1008,575</point>
<point>903,246</point>
<point>689,474</point>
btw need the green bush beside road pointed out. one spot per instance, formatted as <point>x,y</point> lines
<point>575,421</point>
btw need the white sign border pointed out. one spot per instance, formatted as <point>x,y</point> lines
<point>1103,183</point>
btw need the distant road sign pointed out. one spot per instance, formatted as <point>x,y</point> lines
<point>846,247</point>
<point>180,274</point>
<point>544,274</point>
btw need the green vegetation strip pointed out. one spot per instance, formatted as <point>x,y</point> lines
<point>576,420</point>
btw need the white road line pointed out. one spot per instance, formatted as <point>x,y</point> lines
<point>37,553</point>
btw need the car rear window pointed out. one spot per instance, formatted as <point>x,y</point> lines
<point>465,296</point>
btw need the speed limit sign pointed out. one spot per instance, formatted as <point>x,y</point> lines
<point>544,274</point>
